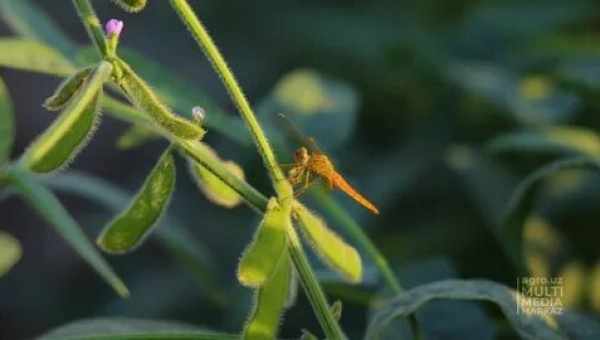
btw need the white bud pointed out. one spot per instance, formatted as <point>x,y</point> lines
<point>198,113</point>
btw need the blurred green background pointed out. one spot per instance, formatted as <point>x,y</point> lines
<point>416,98</point>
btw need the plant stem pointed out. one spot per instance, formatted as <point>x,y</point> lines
<point>92,24</point>
<point>211,51</point>
<point>199,153</point>
<point>313,289</point>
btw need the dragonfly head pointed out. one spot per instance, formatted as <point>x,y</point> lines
<point>301,156</point>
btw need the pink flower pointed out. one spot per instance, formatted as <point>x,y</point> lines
<point>113,28</point>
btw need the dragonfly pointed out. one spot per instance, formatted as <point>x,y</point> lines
<point>311,163</point>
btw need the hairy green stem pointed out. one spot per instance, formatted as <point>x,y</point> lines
<point>313,290</point>
<point>92,24</point>
<point>211,51</point>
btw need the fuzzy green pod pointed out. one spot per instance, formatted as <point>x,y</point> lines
<point>143,98</point>
<point>262,256</point>
<point>264,321</point>
<point>131,5</point>
<point>336,253</point>
<point>67,90</point>
<point>69,133</point>
<point>132,226</point>
<point>212,186</point>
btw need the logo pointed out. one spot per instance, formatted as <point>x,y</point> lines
<point>540,296</point>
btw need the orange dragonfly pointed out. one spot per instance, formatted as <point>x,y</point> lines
<point>314,163</point>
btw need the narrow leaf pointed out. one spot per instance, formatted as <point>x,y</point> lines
<point>270,303</point>
<point>336,310</point>
<point>144,99</point>
<point>523,198</point>
<point>262,256</point>
<point>554,140</point>
<point>135,136</point>
<point>67,90</point>
<point>29,21</point>
<point>133,225</point>
<point>336,253</point>
<point>7,123</point>
<point>190,252</point>
<point>69,133</point>
<point>29,55</point>
<point>10,252</point>
<point>50,208</point>
<point>213,187</point>
<point>132,329</point>
<point>528,326</point>
<point>131,5</point>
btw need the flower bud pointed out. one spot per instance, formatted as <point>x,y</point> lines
<point>113,28</point>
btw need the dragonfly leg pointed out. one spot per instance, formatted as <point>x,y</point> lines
<point>330,183</point>
<point>308,181</point>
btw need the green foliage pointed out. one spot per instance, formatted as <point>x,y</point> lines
<point>67,90</point>
<point>190,252</point>
<point>338,255</point>
<point>130,329</point>
<point>7,123</point>
<point>262,256</point>
<point>50,208</point>
<point>453,76</point>
<point>527,326</point>
<point>134,137</point>
<point>69,133</point>
<point>29,21</point>
<point>523,199</point>
<point>270,302</point>
<point>214,188</point>
<point>551,140</point>
<point>135,223</point>
<point>10,252</point>
<point>144,99</point>
<point>30,55</point>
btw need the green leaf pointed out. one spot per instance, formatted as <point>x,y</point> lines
<point>28,21</point>
<point>50,208</point>
<point>132,329</point>
<point>133,225</point>
<point>135,136</point>
<point>317,104</point>
<point>10,252</point>
<point>183,246</point>
<point>213,187</point>
<point>336,310</point>
<point>528,326</point>
<point>67,90</point>
<point>7,123</point>
<point>131,5</point>
<point>29,55</point>
<point>523,198</point>
<point>336,253</point>
<point>143,98</point>
<point>553,140</point>
<point>71,131</point>
<point>261,257</point>
<point>271,298</point>
<point>303,91</point>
